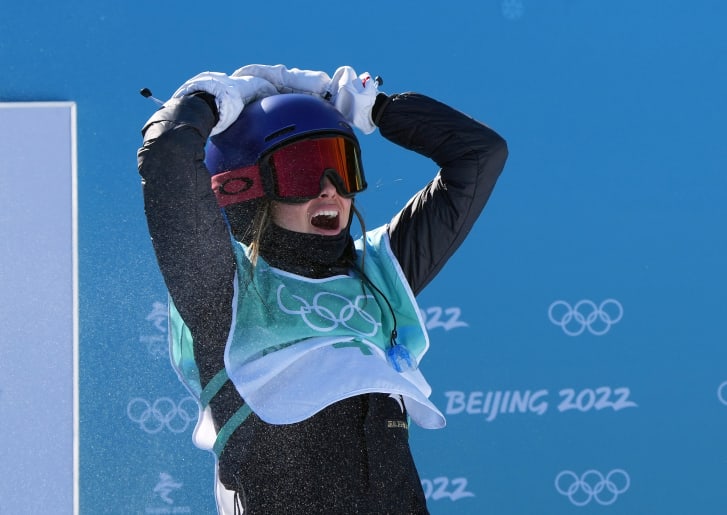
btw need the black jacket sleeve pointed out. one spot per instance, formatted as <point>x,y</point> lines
<point>434,223</point>
<point>188,231</point>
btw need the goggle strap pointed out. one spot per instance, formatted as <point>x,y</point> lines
<point>238,185</point>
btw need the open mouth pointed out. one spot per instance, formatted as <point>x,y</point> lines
<point>327,220</point>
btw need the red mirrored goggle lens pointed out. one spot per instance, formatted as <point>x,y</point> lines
<point>297,169</point>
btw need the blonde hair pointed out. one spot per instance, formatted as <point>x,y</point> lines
<point>260,223</point>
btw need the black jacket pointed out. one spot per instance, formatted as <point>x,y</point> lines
<point>192,242</point>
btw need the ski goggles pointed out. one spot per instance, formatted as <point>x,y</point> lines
<point>295,172</point>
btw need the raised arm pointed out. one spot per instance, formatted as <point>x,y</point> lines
<point>434,223</point>
<point>189,234</point>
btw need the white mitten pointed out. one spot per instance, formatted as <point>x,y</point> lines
<point>231,94</point>
<point>288,81</point>
<point>354,96</point>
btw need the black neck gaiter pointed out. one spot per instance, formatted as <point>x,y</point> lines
<point>309,255</point>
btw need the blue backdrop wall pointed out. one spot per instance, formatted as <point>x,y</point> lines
<point>578,341</point>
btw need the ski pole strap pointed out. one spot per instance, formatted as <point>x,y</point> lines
<point>213,387</point>
<point>226,431</point>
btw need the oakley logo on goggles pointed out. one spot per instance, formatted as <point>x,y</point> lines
<point>294,173</point>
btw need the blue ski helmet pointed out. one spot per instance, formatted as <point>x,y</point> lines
<point>265,126</point>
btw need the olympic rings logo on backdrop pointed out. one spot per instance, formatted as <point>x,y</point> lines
<point>163,413</point>
<point>592,486</point>
<point>722,393</point>
<point>321,315</point>
<point>585,315</point>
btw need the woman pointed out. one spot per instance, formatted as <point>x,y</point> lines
<point>301,344</point>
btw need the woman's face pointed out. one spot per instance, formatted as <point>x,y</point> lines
<point>326,215</point>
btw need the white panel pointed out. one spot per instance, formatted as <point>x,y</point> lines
<point>38,308</point>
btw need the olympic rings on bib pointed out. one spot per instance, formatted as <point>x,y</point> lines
<point>327,311</point>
